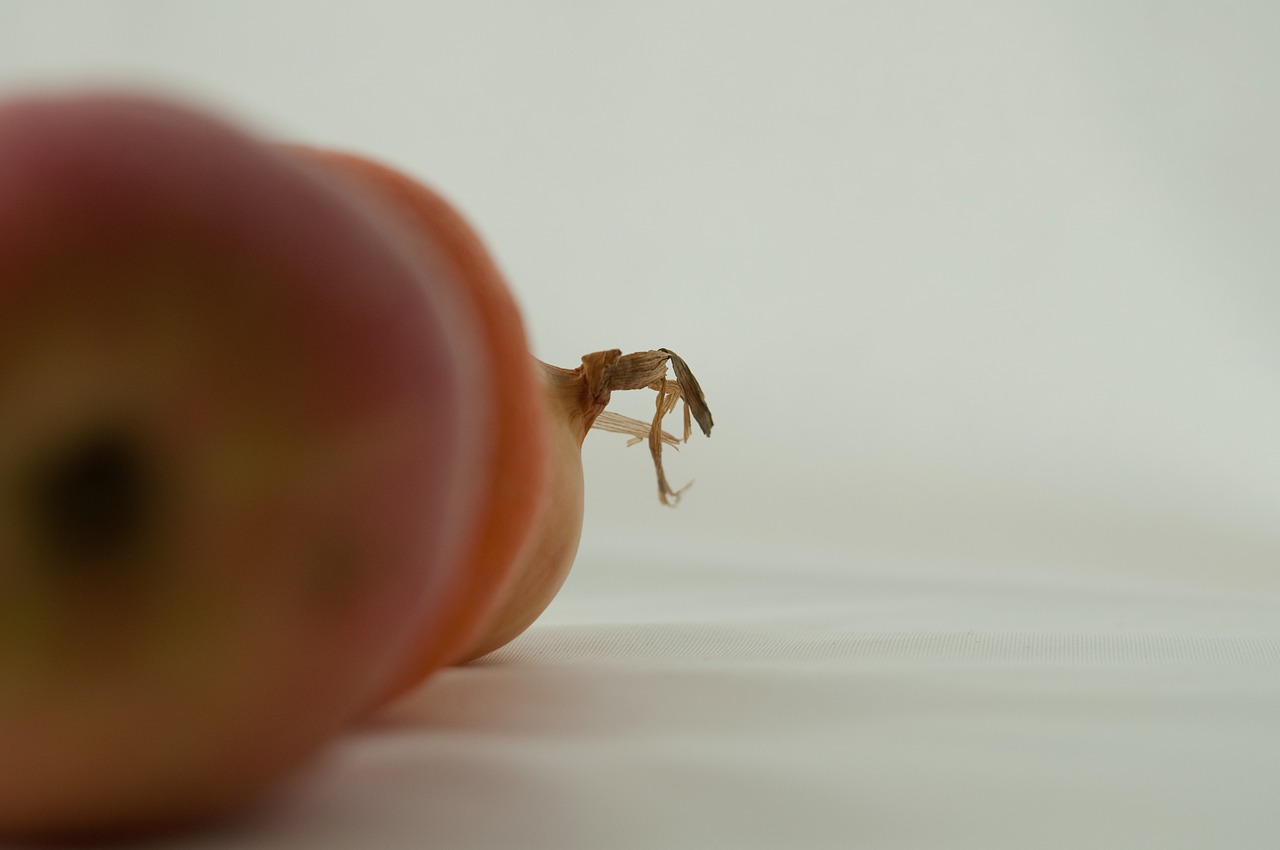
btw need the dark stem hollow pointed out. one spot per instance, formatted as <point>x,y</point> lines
<point>93,497</point>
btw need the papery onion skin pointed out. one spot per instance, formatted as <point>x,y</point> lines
<point>544,565</point>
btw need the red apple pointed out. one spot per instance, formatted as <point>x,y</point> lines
<point>239,432</point>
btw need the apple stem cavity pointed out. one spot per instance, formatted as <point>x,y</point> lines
<point>91,499</point>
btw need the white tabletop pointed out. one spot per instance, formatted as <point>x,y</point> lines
<point>717,705</point>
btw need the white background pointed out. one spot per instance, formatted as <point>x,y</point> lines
<point>980,278</point>
<point>984,299</point>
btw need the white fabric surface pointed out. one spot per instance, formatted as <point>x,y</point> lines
<point>706,705</point>
<point>985,549</point>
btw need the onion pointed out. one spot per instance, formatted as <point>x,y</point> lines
<point>576,401</point>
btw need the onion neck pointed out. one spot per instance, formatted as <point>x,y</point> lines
<point>578,396</point>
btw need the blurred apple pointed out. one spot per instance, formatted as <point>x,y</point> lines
<point>236,453</point>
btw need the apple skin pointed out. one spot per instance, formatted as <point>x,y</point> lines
<point>240,424</point>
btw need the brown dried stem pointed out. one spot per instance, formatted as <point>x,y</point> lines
<point>602,372</point>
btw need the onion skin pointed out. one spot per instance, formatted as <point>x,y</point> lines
<point>542,568</point>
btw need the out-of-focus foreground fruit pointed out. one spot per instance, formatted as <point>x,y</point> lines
<point>244,421</point>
